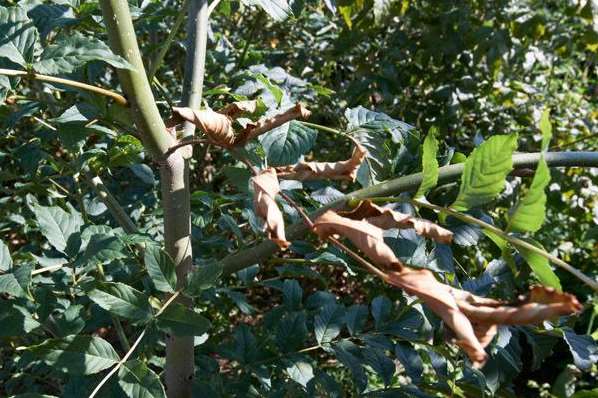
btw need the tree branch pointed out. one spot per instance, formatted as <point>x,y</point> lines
<point>264,250</point>
<point>119,99</point>
<point>195,63</point>
<point>123,41</point>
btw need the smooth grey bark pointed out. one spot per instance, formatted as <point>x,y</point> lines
<point>197,41</point>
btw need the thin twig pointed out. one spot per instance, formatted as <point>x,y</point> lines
<point>133,347</point>
<point>489,227</point>
<point>119,99</point>
<point>369,266</point>
<point>157,61</point>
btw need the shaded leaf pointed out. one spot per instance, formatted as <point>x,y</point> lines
<point>203,277</point>
<point>299,370</point>
<point>410,360</point>
<point>5,259</point>
<point>77,355</point>
<point>356,318</point>
<point>328,323</point>
<point>138,381</point>
<point>122,300</point>
<point>17,34</point>
<point>179,320</point>
<point>160,268</point>
<point>382,365</point>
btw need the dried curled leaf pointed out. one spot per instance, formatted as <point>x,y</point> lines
<point>235,109</point>
<point>343,170</point>
<point>474,319</point>
<point>217,126</point>
<point>367,237</point>
<point>266,124</point>
<point>266,187</point>
<point>387,218</point>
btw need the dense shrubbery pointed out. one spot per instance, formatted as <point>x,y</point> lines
<point>451,89</point>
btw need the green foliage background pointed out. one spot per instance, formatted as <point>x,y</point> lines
<point>308,322</point>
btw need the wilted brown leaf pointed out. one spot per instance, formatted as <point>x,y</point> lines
<point>235,109</point>
<point>387,218</point>
<point>266,124</point>
<point>266,187</point>
<point>343,170</point>
<point>217,126</point>
<point>367,237</point>
<point>479,316</point>
<point>472,318</point>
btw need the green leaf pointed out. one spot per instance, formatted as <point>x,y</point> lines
<point>126,151</point>
<point>279,10</point>
<point>386,139</point>
<point>5,259</point>
<point>76,355</point>
<point>292,294</point>
<point>57,225</point>
<point>122,300</point>
<point>328,323</point>
<point>8,50</point>
<point>285,144</point>
<point>382,365</point>
<point>345,352</point>
<point>485,171</point>
<point>299,370</point>
<point>101,249</point>
<point>530,211</point>
<point>541,267</point>
<point>203,278</point>
<point>381,309</point>
<point>410,360</point>
<point>160,268</point>
<point>276,91</point>
<point>583,348</point>
<point>17,282</point>
<point>179,320</point>
<point>429,163</point>
<point>545,129</point>
<point>74,51</point>
<point>138,381</point>
<point>356,318</point>
<point>18,36</point>
<point>15,319</point>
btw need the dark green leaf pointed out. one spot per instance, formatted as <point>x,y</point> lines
<point>382,365</point>
<point>292,294</point>
<point>346,353</point>
<point>77,355</point>
<point>138,381</point>
<point>160,268</point>
<point>15,319</point>
<point>179,320</point>
<point>122,300</point>
<point>328,323</point>
<point>356,318</point>
<point>203,278</point>
<point>381,309</point>
<point>410,360</point>
<point>285,144</point>
<point>57,225</point>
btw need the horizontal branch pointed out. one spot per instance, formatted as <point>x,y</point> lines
<point>264,250</point>
<point>119,99</point>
